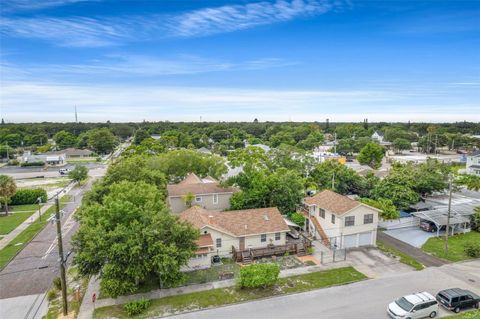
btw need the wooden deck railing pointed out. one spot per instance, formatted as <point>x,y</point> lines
<point>273,250</point>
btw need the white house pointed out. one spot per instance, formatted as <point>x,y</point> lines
<point>240,229</point>
<point>339,221</point>
<point>377,136</point>
<point>473,163</point>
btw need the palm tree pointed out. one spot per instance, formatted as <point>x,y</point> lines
<point>8,188</point>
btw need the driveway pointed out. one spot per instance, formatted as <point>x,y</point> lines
<point>413,236</point>
<point>365,299</point>
<point>374,263</point>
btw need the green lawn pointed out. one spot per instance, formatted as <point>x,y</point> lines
<point>17,244</point>
<point>475,314</point>
<point>404,258</point>
<point>10,222</point>
<point>24,208</point>
<point>218,297</point>
<point>456,245</point>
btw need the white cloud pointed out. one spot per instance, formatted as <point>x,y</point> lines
<point>17,5</point>
<point>98,31</point>
<point>24,101</point>
<point>238,17</point>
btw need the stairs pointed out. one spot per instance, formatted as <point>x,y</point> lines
<point>246,257</point>
<point>318,228</point>
<point>301,250</point>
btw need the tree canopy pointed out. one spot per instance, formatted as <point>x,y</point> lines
<point>371,155</point>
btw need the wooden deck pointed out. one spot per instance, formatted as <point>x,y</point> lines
<point>248,255</point>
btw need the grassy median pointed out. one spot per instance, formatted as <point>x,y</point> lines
<point>225,296</point>
<point>404,258</point>
<point>19,242</point>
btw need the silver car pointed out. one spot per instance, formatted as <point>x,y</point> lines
<point>419,305</point>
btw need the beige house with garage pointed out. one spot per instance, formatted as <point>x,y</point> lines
<point>207,193</point>
<point>239,229</point>
<point>340,221</point>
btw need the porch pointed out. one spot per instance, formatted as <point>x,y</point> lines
<point>248,255</point>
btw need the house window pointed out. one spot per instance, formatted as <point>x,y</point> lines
<point>218,241</point>
<point>198,199</point>
<point>368,219</point>
<point>333,219</point>
<point>263,238</point>
<point>349,221</point>
<point>277,236</point>
<point>321,212</point>
<point>215,198</point>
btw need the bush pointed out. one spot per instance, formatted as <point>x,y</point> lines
<point>57,283</point>
<point>472,249</point>
<point>39,163</point>
<point>29,196</point>
<point>52,294</point>
<point>298,219</point>
<point>13,162</point>
<point>259,275</point>
<point>136,307</point>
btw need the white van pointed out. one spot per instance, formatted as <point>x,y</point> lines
<point>419,305</point>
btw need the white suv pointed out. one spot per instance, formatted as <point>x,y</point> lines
<point>419,305</point>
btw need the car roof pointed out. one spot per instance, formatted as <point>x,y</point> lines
<point>456,292</point>
<point>419,297</point>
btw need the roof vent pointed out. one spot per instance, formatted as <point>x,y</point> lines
<point>246,226</point>
<point>265,217</point>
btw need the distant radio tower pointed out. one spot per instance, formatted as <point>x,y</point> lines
<point>76,115</point>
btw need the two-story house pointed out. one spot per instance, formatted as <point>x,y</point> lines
<point>220,232</point>
<point>207,193</point>
<point>473,163</point>
<point>340,221</point>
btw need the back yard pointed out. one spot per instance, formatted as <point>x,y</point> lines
<point>456,246</point>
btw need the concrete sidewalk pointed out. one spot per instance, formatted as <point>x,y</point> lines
<point>87,307</point>
<point>32,219</point>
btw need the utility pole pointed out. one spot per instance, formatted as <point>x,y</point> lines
<point>39,200</point>
<point>335,143</point>
<point>333,181</point>
<point>60,254</point>
<point>449,212</point>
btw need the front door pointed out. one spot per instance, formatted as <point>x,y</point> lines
<point>242,243</point>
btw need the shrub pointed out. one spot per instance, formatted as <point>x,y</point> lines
<point>472,249</point>
<point>29,196</point>
<point>52,294</point>
<point>136,307</point>
<point>298,219</point>
<point>259,275</point>
<point>13,162</point>
<point>57,283</point>
<point>39,163</point>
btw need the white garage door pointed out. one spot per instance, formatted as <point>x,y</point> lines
<point>350,241</point>
<point>365,239</point>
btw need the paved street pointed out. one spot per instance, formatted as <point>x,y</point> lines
<point>21,276</point>
<point>367,299</point>
<point>35,172</point>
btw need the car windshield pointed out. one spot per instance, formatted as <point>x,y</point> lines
<point>404,304</point>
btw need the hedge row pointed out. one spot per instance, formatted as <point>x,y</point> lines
<point>29,196</point>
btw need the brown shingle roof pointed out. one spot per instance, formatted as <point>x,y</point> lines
<point>333,202</point>
<point>238,222</point>
<point>195,185</point>
<point>205,240</point>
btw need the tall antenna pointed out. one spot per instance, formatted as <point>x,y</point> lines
<point>76,115</point>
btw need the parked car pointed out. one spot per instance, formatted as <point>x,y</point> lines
<point>419,305</point>
<point>457,299</point>
<point>429,226</point>
<point>64,171</point>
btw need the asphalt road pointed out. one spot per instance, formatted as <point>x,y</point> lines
<point>34,172</point>
<point>366,299</point>
<point>22,275</point>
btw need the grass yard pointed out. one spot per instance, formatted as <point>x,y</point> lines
<point>224,296</point>
<point>10,222</point>
<point>24,208</point>
<point>456,246</point>
<point>404,258</point>
<point>466,315</point>
<point>17,244</point>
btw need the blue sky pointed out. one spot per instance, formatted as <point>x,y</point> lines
<point>299,60</point>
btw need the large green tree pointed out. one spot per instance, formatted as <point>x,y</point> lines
<point>371,155</point>
<point>65,139</point>
<point>102,140</point>
<point>8,188</point>
<point>131,237</point>
<point>339,178</point>
<point>79,173</point>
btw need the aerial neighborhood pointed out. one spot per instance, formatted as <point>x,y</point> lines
<point>213,209</point>
<point>239,159</point>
